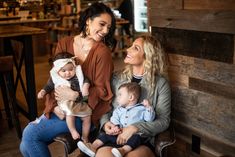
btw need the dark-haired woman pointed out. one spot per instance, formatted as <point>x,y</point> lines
<point>92,50</point>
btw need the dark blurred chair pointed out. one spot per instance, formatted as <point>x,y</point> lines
<point>162,141</point>
<point>8,92</point>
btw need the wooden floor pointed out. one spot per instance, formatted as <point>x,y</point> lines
<point>9,143</point>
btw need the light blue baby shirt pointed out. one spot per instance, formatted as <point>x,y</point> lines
<point>124,116</point>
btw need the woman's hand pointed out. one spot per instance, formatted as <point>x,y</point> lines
<point>85,89</point>
<point>59,113</point>
<point>127,132</point>
<point>65,93</point>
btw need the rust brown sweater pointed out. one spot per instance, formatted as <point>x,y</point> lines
<point>98,68</point>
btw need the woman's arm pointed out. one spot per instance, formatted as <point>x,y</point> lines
<point>100,88</point>
<point>162,106</point>
<point>65,93</point>
<point>161,122</point>
<point>114,87</point>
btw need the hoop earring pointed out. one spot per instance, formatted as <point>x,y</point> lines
<point>87,30</point>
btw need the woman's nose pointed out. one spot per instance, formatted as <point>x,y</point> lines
<point>128,49</point>
<point>106,30</point>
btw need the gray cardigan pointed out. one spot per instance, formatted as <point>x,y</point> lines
<point>161,101</point>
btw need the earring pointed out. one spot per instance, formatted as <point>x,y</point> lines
<point>87,30</point>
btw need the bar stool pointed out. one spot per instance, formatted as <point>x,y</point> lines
<point>8,93</point>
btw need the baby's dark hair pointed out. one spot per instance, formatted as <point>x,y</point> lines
<point>62,55</point>
<point>133,88</point>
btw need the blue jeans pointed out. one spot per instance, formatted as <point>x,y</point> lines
<point>37,136</point>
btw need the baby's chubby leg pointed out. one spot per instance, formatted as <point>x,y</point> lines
<point>70,120</point>
<point>86,124</point>
<point>60,114</point>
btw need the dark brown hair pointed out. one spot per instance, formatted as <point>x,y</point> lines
<point>93,11</point>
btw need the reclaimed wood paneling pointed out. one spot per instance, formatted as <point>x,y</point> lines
<point>210,114</point>
<point>185,143</point>
<point>185,132</point>
<point>210,4</point>
<point>178,79</point>
<point>211,71</point>
<point>234,49</point>
<point>200,41</point>
<point>169,4</point>
<point>207,45</point>
<point>212,88</point>
<point>198,20</point>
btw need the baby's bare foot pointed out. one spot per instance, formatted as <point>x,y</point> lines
<point>85,139</point>
<point>75,135</point>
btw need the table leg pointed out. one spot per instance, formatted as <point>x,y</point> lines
<point>30,79</point>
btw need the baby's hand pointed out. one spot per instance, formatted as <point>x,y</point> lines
<point>116,130</point>
<point>41,94</point>
<point>85,89</point>
<point>146,103</point>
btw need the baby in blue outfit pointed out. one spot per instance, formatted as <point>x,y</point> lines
<point>127,113</point>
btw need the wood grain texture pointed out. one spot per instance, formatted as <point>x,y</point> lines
<point>198,20</point>
<point>211,115</point>
<point>207,70</point>
<point>217,148</point>
<point>210,4</point>
<point>185,142</point>
<point>234,49</point>
<point>226,91</point>
<point>177,79</point>
<point>206,45</point>
<point>169,4</point>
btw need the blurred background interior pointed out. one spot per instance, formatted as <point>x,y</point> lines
<point>198,37</point>
<point>51,20</point>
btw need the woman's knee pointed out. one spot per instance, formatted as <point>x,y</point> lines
<point>140,152</point>
<point>28,133</point>
<point>104,152</point>
<point>23,148</point>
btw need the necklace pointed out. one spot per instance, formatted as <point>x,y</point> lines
<point>83,45</point>
<point>139,75</point>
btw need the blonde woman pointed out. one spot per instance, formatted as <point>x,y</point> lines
<point>146,65</point>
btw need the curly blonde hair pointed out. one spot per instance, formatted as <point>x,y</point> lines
<point>155,62</point>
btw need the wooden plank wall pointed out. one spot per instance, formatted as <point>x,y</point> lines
<point>199,37</point>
